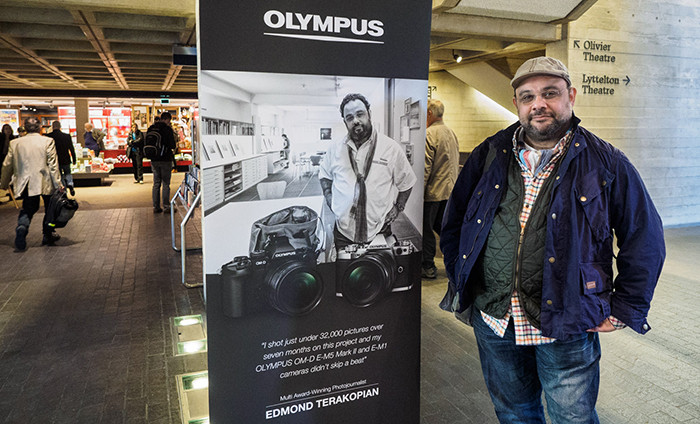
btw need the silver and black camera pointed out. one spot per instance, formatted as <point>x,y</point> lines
<point>280,272</point>
<point>365,273</point>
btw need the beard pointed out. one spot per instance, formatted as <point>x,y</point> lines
<point>553,131</point>
<point>360,132</point>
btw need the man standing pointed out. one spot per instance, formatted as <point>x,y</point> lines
<point>32,161</point>
<point>441,168</point>
<point>528,246</point>
<point>366,178</point>
<point>162,165</point>
<point>94,138</point>
<point>66,154</point>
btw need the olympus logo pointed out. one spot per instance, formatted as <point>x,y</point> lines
<point>323,24</point>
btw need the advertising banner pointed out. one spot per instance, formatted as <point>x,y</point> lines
<point>312,140</point>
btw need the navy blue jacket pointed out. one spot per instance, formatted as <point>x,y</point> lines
<point>596,191</point>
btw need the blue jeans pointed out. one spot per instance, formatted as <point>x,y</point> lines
<point>66,176</point>
<point>567,371</point>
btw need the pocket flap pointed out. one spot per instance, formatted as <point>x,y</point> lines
<point>596,277</point>
<point>474,202</point>
<point>592,184</point>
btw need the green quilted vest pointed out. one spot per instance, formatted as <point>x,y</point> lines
<point>504,268</point>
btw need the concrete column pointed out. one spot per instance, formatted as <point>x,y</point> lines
<point>635,66</point>
<point>82,115</point>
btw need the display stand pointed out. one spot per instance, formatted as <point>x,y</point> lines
<point>189,195</point>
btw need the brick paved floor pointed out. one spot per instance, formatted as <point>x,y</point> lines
<point>85,336</point>
<point>84,325</point>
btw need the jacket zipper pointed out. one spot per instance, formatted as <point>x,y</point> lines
<point>518,261</point>
<point>521,238</point>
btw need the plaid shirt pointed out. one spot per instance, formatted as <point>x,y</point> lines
<point>535,168</point>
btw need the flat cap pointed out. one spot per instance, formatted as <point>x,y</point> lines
<point>541,65</point>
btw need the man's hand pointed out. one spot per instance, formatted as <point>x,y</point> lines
<point>398,207</point>
<point>391,216</point>
<point>604,327</point>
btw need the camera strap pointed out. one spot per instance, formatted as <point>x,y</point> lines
<point>359,201</point>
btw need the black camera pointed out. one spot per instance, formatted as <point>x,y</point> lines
<point>365,273</point>
<point>280,271</point>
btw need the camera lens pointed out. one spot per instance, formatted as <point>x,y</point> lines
<point>368,278</point>
<point>295,288</point>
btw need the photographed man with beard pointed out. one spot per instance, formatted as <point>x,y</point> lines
<point>366,177</point>
<point>527,240</point>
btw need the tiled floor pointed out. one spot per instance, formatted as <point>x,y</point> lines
<point>85,336</point>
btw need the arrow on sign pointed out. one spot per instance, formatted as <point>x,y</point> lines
<point>626,80</point>
<point>576,45</point>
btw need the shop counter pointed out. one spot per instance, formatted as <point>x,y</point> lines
<point>90,178</point>
<point>122,164</point>
<point>122,161</point>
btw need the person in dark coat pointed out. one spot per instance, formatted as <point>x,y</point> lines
<point>162,166</point>
<point>527,239</point>
<point>65,153</point>
<point>5,137</point>
<point>93,138</point>
<point>134,151</point>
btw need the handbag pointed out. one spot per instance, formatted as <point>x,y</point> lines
<point>61,209</point>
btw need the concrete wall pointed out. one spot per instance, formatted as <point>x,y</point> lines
<point>655,117</point>
<point>470,114</point>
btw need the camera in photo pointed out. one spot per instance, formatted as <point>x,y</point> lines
<point>366,273</point>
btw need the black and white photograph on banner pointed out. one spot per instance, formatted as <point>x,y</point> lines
<point>263,138</point>
<point>312,245</point>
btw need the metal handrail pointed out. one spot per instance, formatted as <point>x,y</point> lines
<point>183,247</point>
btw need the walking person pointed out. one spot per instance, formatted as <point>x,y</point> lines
<point>527,240</point>
<point>32,167</point>
<point>162,165</point>
<point>135,152</point>
<point>65,153</point>
<point>441,168</point>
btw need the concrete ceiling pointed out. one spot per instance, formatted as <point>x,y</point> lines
<point>500,33</point>
<point>125,46</point>
<point>95,45</point>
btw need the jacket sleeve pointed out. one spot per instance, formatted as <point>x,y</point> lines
<point>72,150</point>
<point>170,142</point>
<point>642,250</point>
<point>53,163</point>
<point>98,135</point>
<point>450,233</point>
<point>429,156</point>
